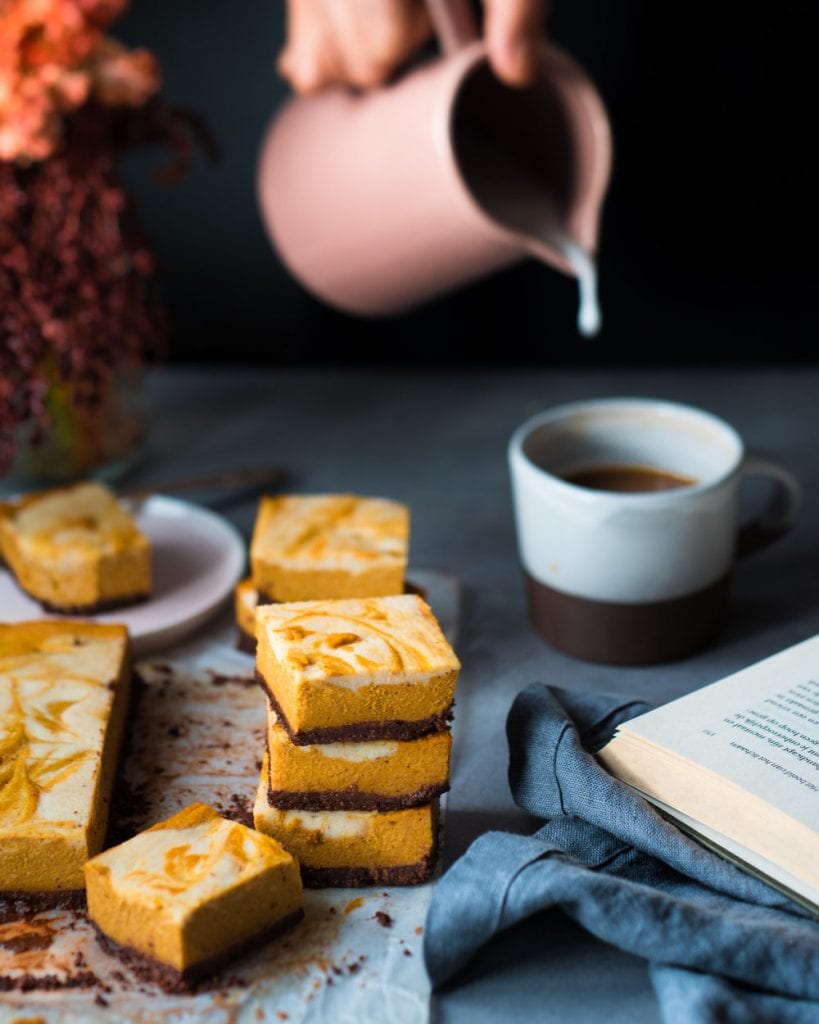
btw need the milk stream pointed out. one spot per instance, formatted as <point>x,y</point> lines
<point>589,316</point>
<point>513,194</point>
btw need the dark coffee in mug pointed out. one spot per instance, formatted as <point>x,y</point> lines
<point>628,479</point>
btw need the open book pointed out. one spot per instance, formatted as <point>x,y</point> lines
<point>736,764</point>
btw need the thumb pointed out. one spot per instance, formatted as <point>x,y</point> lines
<point>514,32</point>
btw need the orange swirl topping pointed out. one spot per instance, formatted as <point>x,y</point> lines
<point>364,639</point>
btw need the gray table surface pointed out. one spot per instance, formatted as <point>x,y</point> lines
<point>437,440</point>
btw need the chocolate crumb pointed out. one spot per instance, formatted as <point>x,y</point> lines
<point>46,982</point>
<point>282,1015</point>
<point>79,959</point>
<point>218,679</point>
<point>329,979</point>
<point>352,968</point>
<point>383,919</point>
<point>239,810</point>
<point>336,970</point>
<point>100,1000</point>
<point>27,943</point>
<point>332,910</point>
<point>407,952</point>
<point>175,731</point>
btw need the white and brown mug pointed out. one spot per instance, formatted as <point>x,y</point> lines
<point>627,521</point>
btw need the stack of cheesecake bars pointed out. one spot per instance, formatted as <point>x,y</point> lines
<point>360,684</point>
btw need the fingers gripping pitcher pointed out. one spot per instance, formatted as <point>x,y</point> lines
<point>380,201</point>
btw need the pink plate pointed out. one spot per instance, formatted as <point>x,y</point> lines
<point>198,556</point>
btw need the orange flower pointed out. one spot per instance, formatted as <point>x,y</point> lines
<point>123,78</point>
<point>54,57</point>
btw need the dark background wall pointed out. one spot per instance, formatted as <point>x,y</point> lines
<point>709,234</point>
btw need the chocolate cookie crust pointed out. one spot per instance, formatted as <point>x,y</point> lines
<point>356,878</point>
<point>360,732</point>
<point>90,609</point>
<point>187,981</point>
<point>351,799</point>
<point>47,899</point>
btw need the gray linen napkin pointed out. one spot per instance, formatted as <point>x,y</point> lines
<point>721,945</point>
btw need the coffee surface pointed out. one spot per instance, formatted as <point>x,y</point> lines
<point>628,478</point>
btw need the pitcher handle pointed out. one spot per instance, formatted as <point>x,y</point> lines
<point>454,23</point>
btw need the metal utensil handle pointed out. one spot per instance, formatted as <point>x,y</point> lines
<point>223,480</point>
<point>454,23</point>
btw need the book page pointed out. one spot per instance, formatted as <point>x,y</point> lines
<point>759,728</point>
<point>792,886</point>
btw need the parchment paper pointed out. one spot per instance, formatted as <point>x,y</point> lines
<point>198,734</point>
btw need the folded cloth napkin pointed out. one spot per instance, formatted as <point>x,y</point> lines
<point>721,945</point>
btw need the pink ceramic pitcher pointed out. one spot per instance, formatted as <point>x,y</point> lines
<point>382,200</point>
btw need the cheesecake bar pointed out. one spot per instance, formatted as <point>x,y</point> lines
<point>352,671</point>
<point>310,547</point>
<point>245,600</point>
<point>75,549</point>
<point>64,689</point>
<point>378,775</point>
<point>353,848</point>
<point>183,897</point>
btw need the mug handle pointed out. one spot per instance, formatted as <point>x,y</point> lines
<point>780,511</point>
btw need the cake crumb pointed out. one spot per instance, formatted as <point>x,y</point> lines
<point>220,679</point>
<point>354,905</point>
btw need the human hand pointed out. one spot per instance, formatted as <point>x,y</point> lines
<point>362,42</point>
